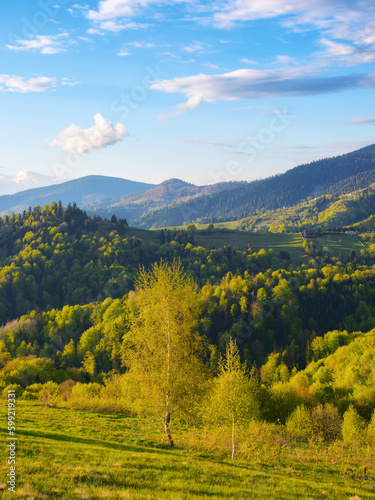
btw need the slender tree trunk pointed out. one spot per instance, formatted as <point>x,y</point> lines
<point>167,420</point>
<point>233,440</point>
<point>167,405</point>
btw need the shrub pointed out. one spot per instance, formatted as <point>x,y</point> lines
<point>326,422</point>
<point>49,394</point>
<point>32,391</point>
<point>285,400</point>
<point>353,427</point>
<point>13,387</point>
<point>299,424</point>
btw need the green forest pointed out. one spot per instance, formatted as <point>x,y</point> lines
<point>200,341</point>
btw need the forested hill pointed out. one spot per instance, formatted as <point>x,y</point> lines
<point>82,191</point>
<point>349,172</point>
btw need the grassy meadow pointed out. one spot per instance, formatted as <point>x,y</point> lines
<point>74,454</point>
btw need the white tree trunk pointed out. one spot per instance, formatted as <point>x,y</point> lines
<point>233,440</point>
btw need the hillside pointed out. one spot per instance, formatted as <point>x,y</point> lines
<point>135,206</point>
<point>82,191</point>
<point>323,212</point>
<point>285,190</point>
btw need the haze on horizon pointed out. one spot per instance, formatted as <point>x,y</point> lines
<point>152,90</point>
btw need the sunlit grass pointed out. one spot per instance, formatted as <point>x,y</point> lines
<point>73,454</point>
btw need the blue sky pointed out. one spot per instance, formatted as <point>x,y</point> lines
<point>203,91</point>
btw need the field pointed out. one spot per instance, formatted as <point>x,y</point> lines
<point>224,234</point>
<point>73,454</point>
<point>241,239</point>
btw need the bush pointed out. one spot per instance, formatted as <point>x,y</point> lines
<point>49,394</point>
<point>13,387</point>
<point>299,424</point>
<point>32,391</point>
<point>353,427</point>
<point>285,399</point>
<point>326,422</point>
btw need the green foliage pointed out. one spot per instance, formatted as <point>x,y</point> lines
<point>353,427</point>
<point>163,348</point>
<point>299,424</point>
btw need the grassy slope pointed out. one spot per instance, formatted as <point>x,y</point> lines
<point>71,454</point>
<point>291,242</point>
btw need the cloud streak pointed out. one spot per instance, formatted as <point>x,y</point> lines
<point>368,120</point>
<point>76,140</point>
<point>254,84</point>
<point>42,44</point>
<point>19,84</point>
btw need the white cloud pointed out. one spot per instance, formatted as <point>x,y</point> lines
<point>123,53</point>
<point>116,27</point>
<point>197,46</point>
<point>249,61</point>
<point>343,15</point>
<point>42,44</point>
<point>346,54</point>
<point>13,83</point>
<point>24,179</point>
<point>180,109</point>
<point>69,82</point>
<point>110,10</point>
<point>76,140</point>
<point>283,59</point>
<point>254,83</point>
<point>211,65</point>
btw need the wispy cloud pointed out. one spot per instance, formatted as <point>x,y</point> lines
<point>43,44</point>
<point>68,82</point>
<point>76,140</point>
<point>367,120</point>
<point>200,47</point>
<point>254,83</point>
<point>24,179</point>
<point>249,61</point>
<point>13,83</point>
<point>123,53</point>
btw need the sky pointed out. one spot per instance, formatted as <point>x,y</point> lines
<point>149,90</point>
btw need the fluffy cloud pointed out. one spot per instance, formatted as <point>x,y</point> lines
<point>43,44</point>
<point>12,83</point>
<point>254,83</point>
<point>76,140</point>
<point>109,11</point>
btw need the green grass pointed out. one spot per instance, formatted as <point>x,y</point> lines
<point>72,454</point>
<point>241,239</point>
<point>337,243</point>
<point>224,234</point>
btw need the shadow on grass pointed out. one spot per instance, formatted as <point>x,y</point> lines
<point>94,442</point>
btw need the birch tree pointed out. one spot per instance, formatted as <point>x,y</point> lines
<point>163,348</point>
<point>233,400</point>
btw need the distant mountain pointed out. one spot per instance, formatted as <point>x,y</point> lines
<point>134,207</point>
<point>83,191</point>
<point>348,172</point>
